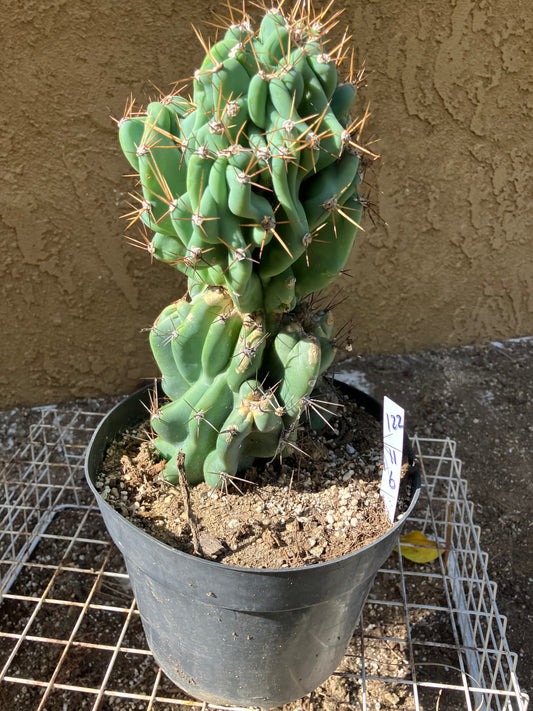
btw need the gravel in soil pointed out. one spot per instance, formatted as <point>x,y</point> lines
<point>320,502</point>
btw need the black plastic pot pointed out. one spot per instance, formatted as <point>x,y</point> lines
<point>240,636</point>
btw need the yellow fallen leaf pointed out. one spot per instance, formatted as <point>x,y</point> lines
<point>416,546</point>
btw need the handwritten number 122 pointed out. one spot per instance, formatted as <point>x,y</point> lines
<point>394,422</point>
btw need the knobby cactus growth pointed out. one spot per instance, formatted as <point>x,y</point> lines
<point>251,189</point>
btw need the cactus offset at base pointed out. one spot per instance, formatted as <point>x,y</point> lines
<point>251,189</point>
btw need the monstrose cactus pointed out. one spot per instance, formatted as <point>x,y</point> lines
<point>251,189</point>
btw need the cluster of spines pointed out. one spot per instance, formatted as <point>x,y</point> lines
<point>252,190</point>
<point>210,355</point>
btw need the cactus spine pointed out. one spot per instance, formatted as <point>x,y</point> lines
<point>251,189</point>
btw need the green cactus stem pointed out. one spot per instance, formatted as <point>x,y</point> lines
<point>251,189</point>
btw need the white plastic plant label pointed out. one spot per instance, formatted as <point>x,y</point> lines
<point>393,422</point>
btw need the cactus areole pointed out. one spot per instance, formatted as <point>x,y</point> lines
<point>251,189</point>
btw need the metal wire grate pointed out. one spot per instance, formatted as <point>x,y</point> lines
<point>430,636</point>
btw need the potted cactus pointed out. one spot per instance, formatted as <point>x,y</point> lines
<point>250,188</point>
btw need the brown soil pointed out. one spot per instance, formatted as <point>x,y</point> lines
<point>319,503</point>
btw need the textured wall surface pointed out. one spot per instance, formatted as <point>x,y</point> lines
<point>448,84</point>
<point>450,88</point>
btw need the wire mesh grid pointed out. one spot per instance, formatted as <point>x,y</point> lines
<point>429,637</point>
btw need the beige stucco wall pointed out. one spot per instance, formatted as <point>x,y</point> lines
<point>448,86</point>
